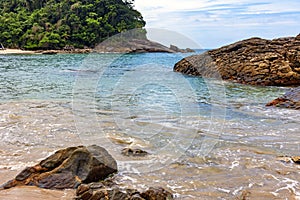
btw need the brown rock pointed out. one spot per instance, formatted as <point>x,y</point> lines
<point>156,194</point>
<point>290,99</point>
<point>110,190</point>
<point>253,61</point>
<point>296,159</point>
<point>289,159</point>
<point>134,152</point>
<point>67,168</point>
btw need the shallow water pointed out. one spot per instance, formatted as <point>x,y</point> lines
<point>207,139</point>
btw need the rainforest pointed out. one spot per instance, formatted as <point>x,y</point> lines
<point>55,24</point>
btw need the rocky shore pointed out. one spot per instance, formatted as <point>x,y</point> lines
<point>110,46</point>
<point>252,61</point>
<point>89,170</point>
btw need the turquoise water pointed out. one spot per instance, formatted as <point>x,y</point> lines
<point>206,137</point>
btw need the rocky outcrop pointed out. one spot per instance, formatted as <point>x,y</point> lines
<point>177,49</point>
<point>133,41</point>
<point>67,168</point>
<point>290,99</point>
<point>109,190</point>
<point>253,61</point>
<point>133,45</point>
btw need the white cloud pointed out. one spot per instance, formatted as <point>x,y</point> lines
<point>213,23</point>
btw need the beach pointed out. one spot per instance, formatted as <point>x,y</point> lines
<point>15,51</point>
<point>51,102</point>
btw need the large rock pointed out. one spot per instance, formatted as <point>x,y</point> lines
<point>253,61</point>
<point>290,99</point>
<point>133,45</point>
<point>134,41</point>
<point>110,190</point>
<point>67,168</point>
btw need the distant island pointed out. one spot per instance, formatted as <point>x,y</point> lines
<point>55,25</point>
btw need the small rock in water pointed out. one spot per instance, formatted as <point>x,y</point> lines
<point>134,152</point>
<point>67,168</point>
<point>296,159</point>
<point>291,99</point>
<point>289,159</point>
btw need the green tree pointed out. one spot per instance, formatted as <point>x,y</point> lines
<point>52,24</point>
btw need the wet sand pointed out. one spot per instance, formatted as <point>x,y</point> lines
<point>34,193</point>
<point>32,130</point>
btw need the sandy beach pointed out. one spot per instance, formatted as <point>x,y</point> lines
<point>15,51</point>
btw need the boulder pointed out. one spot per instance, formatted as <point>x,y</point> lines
<point>67,168</point>
<point>109,190</point>
<point>252,61</point>
<point>290,99</point>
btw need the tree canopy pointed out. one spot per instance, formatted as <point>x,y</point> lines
<point>53,24</point>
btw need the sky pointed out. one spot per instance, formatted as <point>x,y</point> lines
<point>215,23</point>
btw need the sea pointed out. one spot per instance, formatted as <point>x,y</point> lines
<point>206,138</point>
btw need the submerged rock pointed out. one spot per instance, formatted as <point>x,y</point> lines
<point>253,61</point>
<point>291,99</point>
<point>67,168</point>
<point>109,190</point>
<point>134,152</point>
<point>289,159</point>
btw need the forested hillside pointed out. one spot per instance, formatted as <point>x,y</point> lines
<point>53,24</point>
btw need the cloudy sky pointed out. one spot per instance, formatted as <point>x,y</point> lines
<point>214,23</point>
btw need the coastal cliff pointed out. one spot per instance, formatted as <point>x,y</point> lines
<point>253,61</point>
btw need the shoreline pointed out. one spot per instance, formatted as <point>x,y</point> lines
<point>29,52</point>
<point>15,51</point>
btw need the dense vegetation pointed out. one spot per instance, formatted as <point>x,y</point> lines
<point>53,24</point>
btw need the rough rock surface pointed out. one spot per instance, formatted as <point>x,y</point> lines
<point>109,190</point>
<point>67,168</point>
<point>252,61</point>
<point>290,99</point>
